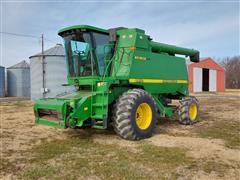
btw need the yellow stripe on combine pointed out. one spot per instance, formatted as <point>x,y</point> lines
<point>157,81</point>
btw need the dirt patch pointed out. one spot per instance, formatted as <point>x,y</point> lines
<point>199,147</point>
<point>19,132</point>
<point>117,141</point>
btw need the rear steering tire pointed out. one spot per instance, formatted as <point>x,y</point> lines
<point>188,111</point>
<point>134,115</point>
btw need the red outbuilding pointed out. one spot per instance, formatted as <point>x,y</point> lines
<point>206,75</point>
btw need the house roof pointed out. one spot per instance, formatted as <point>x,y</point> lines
<point>21,65</point>
<point>57,50</point>
<point>207,63</point>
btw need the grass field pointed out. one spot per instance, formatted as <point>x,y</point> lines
<point>207,150</point>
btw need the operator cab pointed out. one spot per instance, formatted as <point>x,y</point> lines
<point>87,49</point>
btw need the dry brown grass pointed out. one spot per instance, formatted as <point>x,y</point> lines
<point>207,150</point>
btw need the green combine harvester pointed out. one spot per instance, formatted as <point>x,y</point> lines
<point>123,79</point>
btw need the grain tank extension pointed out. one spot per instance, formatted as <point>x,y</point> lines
<point>122,79</point>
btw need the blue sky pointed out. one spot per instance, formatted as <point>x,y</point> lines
<point>210,27</point>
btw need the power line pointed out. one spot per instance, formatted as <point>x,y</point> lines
<point>26,35</point>
<point>46,39</point>
<point>22,35</point>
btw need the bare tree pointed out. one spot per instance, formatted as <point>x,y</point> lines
<point>232,68</point>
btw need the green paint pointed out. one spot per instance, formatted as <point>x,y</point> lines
<point>165,111</point>
<point>87,27</point>
<point>59,124</point>
<point>102,69</point>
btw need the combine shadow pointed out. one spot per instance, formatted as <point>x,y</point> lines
<point>88,133</point>
<point>164,126</point>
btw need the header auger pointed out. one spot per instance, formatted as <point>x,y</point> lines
<point>123,79</point>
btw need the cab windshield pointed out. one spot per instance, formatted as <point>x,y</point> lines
<point>86,52</point>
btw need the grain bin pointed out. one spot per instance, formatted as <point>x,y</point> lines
<point>2,81</point>
<point>18,80</point>
<point>47,78</point>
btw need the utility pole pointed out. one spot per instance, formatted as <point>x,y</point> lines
<point>43,67</point>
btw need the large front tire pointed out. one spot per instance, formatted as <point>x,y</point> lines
<point>134,115</point>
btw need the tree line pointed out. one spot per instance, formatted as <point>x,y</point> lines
<point>232,71</point>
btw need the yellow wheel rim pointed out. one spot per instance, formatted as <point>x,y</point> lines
<point>143,116</point>
<point>193,111</point>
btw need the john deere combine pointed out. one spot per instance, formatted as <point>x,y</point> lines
<point>123,79</point>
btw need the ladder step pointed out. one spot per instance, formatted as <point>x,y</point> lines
<point>101,92</point>
<point>100,124</point>
<point>99,104</point>
<point>97,116</point>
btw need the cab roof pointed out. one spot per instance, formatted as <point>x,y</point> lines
<point>82,27</point>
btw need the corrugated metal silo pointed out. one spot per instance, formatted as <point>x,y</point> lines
<point>2,81</point>
<point>18,79</point>
<point>50,83</point>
